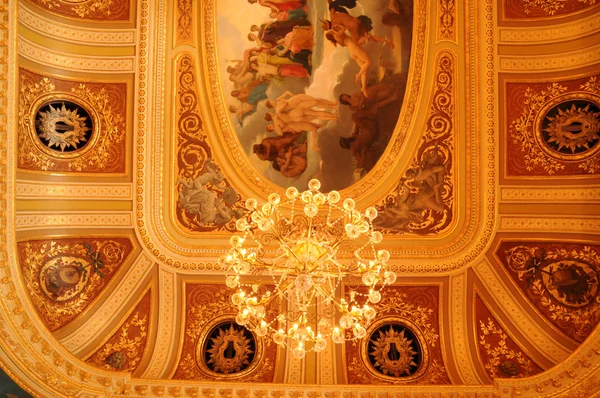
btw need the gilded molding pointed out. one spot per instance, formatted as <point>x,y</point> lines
<point>459,331</point>
<point>74,62</point>
<point>73,191</point>
<point>127,288</point>
<point>166,342</point>
<point>549,63</point>
<point>69,33</point>
<point>446,29</point>
<point>539,223</point>
<point>27,220</point>
<point>530,328</point>
<point>549,195</point>
<point>550,34</point>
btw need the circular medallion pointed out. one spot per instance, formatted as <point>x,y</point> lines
<point>227,349</point>
<point>63,125</point>
<point>394,350</point>
<point>573,283</point>
<point>63,278</point>
<point>568,128</point>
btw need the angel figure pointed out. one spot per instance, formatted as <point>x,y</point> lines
<point>359,28</point>
<point>338,35</point>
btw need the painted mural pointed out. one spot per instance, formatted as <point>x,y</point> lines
<point>314,88</point>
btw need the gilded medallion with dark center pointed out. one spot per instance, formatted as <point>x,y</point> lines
<point>570,130</point>
<point>63,126</point>
<point>229,348</point>
<point>394,350</point>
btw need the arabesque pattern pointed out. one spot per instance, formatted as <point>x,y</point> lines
<point>91,10</point>
<point>532,9</point>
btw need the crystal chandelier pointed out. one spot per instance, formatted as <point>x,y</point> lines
<point>298,251</point>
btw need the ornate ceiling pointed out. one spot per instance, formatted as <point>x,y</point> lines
<point>128,149</point>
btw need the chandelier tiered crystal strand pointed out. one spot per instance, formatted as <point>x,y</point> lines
<point>291,251</point>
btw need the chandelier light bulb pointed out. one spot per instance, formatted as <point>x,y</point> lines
<point>296,265</point>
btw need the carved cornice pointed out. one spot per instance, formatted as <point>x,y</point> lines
<point>551,63</point>
<point>550,34</point>
<point>74,62</point>
<point>69,33</point>
<point>459,330</point>
<point>73,191</point>
<point>166,341</point>
<point>539,223</point>
<point>531,194</point>
<point>27,220</point>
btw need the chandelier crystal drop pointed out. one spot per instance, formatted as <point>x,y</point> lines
<point>297,251</point>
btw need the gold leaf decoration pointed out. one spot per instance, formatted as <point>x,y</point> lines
<point>64,276</point>
<point>124,350</point>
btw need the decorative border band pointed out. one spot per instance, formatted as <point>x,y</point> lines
<point>74,62</point>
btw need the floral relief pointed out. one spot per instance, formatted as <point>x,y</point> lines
<point>113,10</point>
<point>501,356</point>
<point>124,350</point>
<point>561,280</point>
<point>64,276</point>
<point>544,8</point>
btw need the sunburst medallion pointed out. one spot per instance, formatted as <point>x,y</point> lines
<point>230,349</point>
<point>63,126</point>
<point>393,353</point>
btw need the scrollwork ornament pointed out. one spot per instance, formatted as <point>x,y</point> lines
<point>205,200</point>
<point>422,202</point>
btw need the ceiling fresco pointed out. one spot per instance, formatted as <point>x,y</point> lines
<point>132,135</point>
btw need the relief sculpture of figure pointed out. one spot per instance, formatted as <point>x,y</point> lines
<point>409,203</point>
<point>196,198</point>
